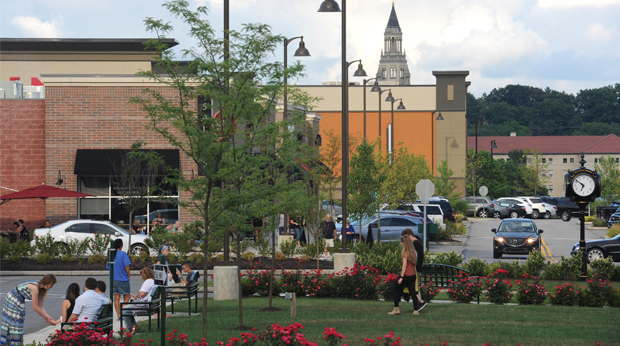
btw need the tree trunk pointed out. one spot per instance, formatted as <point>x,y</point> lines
<point>239,283</point>
<point>130,228</point>
<point>205,262</point>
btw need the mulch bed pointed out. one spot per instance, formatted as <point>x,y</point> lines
<point>58,265</point>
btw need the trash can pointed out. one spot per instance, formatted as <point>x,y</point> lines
<point>431,231</point>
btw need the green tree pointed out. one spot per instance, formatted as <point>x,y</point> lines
<point>331,156</point>
<point>610,178</point>
<point>364,182</point>
<point>444,184</point>
<point>533,172</point>
<point>473,166</point>
<point>407,169</point>
<point>233,150</point>
<point>518,160</point>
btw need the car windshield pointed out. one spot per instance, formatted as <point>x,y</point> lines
<point>364,220</point>
<point>517,226</point>
<point>117,228</point>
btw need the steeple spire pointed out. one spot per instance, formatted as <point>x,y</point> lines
<point>393,69</point>
<point>393,21</point>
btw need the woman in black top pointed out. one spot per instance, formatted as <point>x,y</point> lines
<point>73,291</point>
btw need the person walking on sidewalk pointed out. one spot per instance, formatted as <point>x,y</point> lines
<point>329,232</point>
<point>121,277</point>
<point>14,308</point>
<point>407,277</point>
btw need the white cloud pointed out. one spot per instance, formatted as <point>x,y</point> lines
<point>573,3</point>
<point>34,27</point>
<point>599,32</point>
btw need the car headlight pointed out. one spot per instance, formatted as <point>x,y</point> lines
<point>531,240</point>
<point>499,239</point>
<point>575,247</point>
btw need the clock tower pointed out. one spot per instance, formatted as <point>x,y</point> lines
<point>393,68</point>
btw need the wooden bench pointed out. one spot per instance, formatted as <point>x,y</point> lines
<point>105,321</point>
<point>440,274</point>
<point>185,292</point>
<point>144,308</point>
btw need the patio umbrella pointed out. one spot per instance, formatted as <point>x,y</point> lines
<point>43,192</point>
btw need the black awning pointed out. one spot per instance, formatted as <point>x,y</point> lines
<point>102,161</point>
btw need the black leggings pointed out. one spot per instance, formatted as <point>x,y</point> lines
<point>397,290</point>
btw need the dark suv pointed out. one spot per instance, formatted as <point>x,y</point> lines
<point>566,208</point>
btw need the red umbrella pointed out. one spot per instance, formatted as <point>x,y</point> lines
<point>43,191</point>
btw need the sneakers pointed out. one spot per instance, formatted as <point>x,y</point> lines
<point>396,311</point>
<point>415,312</point>
<point>422,306</point>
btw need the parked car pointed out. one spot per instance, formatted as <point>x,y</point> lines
<point>479,206</point>
<point>446,207</point>
<point>392,225</point>
<point>84,229</point>
<point>519,202</point>
<point>565,208</point>
<point>325,205</point>
<point>504,209</point>
<point>538,206</point>
<point>603,248</point>
<point>614,218</point>
<point>432,210</point>
<point>516,236</point>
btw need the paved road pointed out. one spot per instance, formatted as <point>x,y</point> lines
<point>55,297</point>
<point>558,240</point>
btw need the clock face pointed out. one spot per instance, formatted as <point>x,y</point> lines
<point>583,185</point>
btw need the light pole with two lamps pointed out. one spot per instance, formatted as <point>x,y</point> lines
<point>483,122</point>
<point>332,6</point>
<point>401,106</point>
<point>374,88</point>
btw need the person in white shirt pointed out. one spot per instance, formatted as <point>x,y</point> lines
<point>89,304</point>
<point>144,295</point>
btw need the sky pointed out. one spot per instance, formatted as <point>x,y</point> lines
<point>566,45</point>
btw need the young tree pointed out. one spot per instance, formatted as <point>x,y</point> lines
<point>232,150</point>
<point>518,159</point>
<point>406,172</point>
<point>444,184</point>
<point>610,178</point>
<point>363,183</point>
<point>473,166</point>
<point>331,156</point>
<point>533,172</point>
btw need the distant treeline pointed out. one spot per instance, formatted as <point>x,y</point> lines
<point>531,111</point>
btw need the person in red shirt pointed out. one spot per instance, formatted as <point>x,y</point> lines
<point>407,276</point>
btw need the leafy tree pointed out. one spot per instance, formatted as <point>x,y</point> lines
<point>533,176</point>
<point>233,150</point>
<point>610,178</point>
<point>518,159</point>
<point>473,167</point>
<point>331,156</point>
<point>444,184</point>
<point>406,172</point>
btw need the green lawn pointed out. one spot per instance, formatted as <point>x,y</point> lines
<point>455,324</point>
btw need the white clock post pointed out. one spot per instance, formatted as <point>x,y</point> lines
<point>583,186</point>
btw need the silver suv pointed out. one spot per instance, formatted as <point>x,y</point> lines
<point>538,206</point>
<point>479,206</point>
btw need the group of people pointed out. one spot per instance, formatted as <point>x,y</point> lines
<point>19,232</point>
<point>412,260</point>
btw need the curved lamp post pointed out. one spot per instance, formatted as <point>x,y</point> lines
<point>391,99</point>
<point>483,122</point>
<point>301,51</point>
<point>439,117</point>
<point>376,85</point>
<point>332,6</point>
<point>376,88</point>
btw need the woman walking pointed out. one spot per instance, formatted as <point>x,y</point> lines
<point>407,277</point>
<point>14,308</point>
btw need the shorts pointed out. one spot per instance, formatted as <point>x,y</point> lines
<point>121,287</point>
<point>329,242</point>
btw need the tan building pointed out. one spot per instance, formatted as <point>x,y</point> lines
<point>561,153</point>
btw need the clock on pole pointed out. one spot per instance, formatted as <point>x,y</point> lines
<point>582,186</point>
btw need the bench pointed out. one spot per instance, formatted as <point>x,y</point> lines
<point>440,274</point>
<point>105,320</point>
<point>145,308</point>
<point>185,292</point>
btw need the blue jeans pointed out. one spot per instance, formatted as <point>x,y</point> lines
<point>121,287</point>
<point>298,233</point>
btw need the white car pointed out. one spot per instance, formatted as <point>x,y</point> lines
<point>520,202</point>
<point>83,229</point>
<point>538,206</point>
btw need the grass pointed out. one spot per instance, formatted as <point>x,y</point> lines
<point>455,324</point>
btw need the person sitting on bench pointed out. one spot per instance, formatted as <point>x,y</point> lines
<point>89,304</point>
<point>187,278</point>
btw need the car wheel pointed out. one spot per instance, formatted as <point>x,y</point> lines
<point>547,215</point>
<point>514,214</point>
<point>497,215</point>
<point>565,215</point>
<point>594,254</point>
<point>61,249</point>
<point>497,254</point>
<point>139,248</point>
<point>535,214</point>
<point>483,213</point>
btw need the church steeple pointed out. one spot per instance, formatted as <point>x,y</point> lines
<point>393,69</point>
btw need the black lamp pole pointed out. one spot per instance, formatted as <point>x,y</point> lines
<point>484,122</point>
<point>332,6</point>
<point>439,117</point>
<point>301,51</point>
<point>376,88</point>
<point>493,146</point>
<point>391,99</point>
<point>226,59</point>
<point>376,85</point>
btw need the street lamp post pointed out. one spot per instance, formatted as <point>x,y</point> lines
<point>484,122</point>
<point>391,99</point>
<point>332,6</point>
<point>493,146</point>
<point>301,51</point>
<point>373,88</point>
<point>376,88</point>
<point>439,117</point>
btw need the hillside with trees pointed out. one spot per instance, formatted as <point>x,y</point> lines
<point>531,111</point>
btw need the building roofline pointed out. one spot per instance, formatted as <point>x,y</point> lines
<point>78,44</point>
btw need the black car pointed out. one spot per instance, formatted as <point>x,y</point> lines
<point>566,208</point>
<point>504,209</point>
<point>516,236</point>
<point>448,212</point>
<point>601,249</point>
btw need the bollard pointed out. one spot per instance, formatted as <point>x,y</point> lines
<point>293,298</point>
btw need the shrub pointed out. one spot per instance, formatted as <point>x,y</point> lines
<point>613,231</point>
<point>514,269</point>
<point>44,258</point>
<point>535,263</point>
<point>241,246</point>
<point>332,337</point>
<point>66,258</point>
<point>184,243</point>
<point>135,259</point>
<point>614,298</point>
<point>567,269</point>
<point>464,290</point>
<point>287,248</point>
<point>318,285</point>
<point>262,247</point>
<point>195,258</point>
<point>19,250</point>
<point>293,281</point>
<point>356,283</point>
<point>452,259</point>
<point>248,256</point>
<point>598,292</point>
<point>384,287</point>
<point>476,267</point>
<point>386,258</point>
<point>603,268</point>
<point>84,335</point>
<point>532,293</point>
<point>260,281</point>
<point>99,244</point>
<point>96,258</point>
<point>246,288</point>
<point>590,218</point>
<point>311,249</point>
<point>45,244</point>
<point>598,222</point>
<point>500,274</point>
<point>428,291</point>
<point>159,237</point>
<point>460,206</point>
<point>304,258</point>
<point>4,248</point>
<point>336,248</point>
<point>172,258</point>
<point>77,248</point>
<point>565,295</point>
<point>498,291</point>
<point>280,256</point>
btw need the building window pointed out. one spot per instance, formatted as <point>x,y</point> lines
<point>550,188</point>
<point>550,174</point>
<point>544,173</point>
<point>402,72</point>
<point>529,160</point>
<point>543,160</point>
<point>393,72</point>
<point>596,160</point>
<point>383,73</point>
<point>564,160</point>
<point>617,160</point>
<point>551,160</point>
<point>572,160</point>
